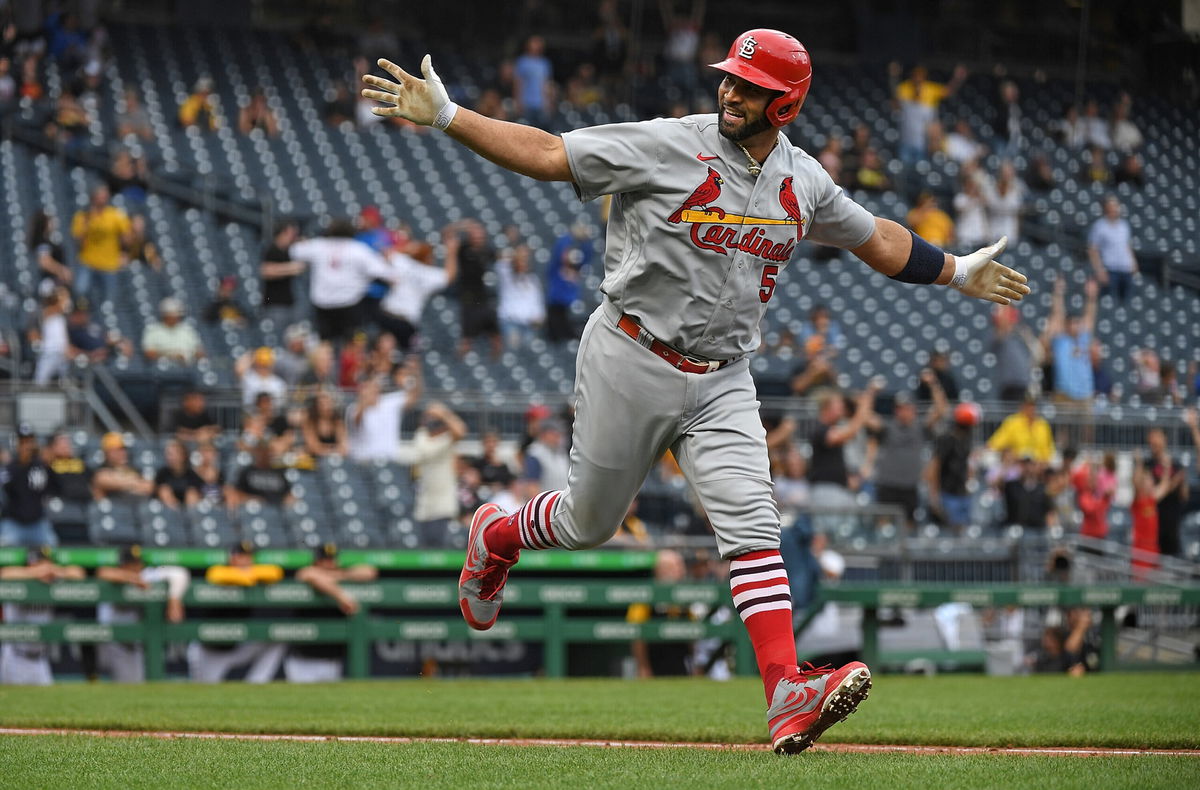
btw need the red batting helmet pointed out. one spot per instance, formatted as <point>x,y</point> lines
<point>773,60</point>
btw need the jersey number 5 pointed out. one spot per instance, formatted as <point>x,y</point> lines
<point>770,271</point>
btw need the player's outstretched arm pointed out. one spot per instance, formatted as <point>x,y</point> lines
<point>897,252</point>
<point>521,149</point>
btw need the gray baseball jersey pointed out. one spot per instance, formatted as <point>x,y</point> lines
<point>695,241</point>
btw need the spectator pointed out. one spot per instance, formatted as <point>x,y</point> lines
<point>662,659</point>
<point>74,477</point>
<point>261,481</point>
<point>970,205</point>
<point>224,308</point>
<point>1071,130</point>
<point>141,248</point>
<point>28,663</point>
<point>1026,500</point>
<point>433,461</point>
<point>419,279</point>
<point>1102,380</point>
<point>491,103</point>
<point>961,145</point>
<point>1144,540</point>
<point>211,662</point>
<point>1004,199</point>
<point>115,478</point>
<point>212,478</point>
<point>522,302</point>
<point>266,423</point>
<point>255,370</point>
<point>571,255</point>
<point>257,114</point>
<point>930,222</point>
<point>1040,176</point>
<point>1025,434</point>
<point>475,258</point>
<point>311,662</point>
<point>71,120</point>
<point>54,357</point>
<point>126,662</point>
<point>901,447</point>
<point>342,270</point>
<point>354,363</point>
<point>939,366</point>
<point>321,373</point>
<point>1171,489</point>
<point>1095,485</point>
<point>917,100</point>
<point>324,427</point>
<point>101,230</point>
<point>128,177</point>
<point>278,272</point>
<point>1126,137</point>
<point>830,157</point>
<point>949,471</point>
<point>171,338</point>
<point>291,363</point>
<point>532,74</point>
<point>373,232</point>
<point>935,139</point>
<point>43,244</point>
<point>1095,130</point>
<point>31,81</point>
<point>1067,650</point>
<point>632,531</point>
<point>827,466</point>
<point>374,417</point>
<point>852,157</point>
<point>27,481</point>
<point>89,338</point>
<point>1006,123</point>
<point>493,471</point>
<point>1129,171</point>
<point>1111,253</point>
<point>200,109</point>
<point>546,459</point>
<point>8,85</point>
<point>1014,345</point>
<point>871,176</point>
<point>195,422</point>
<point>176,485</point>
<point>132,118</point>
<point>1069,341</point>
<point>340,108</point>
<point>1096,170</point>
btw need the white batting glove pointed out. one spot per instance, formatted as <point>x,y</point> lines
<point>423,102</point>
<point>981,276</point>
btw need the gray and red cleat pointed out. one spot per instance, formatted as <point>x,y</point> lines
<point>806,702</point>
<point>481,583</point>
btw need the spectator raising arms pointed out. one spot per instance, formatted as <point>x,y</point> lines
<point>434,459</point>
<point>278,273</point>
<point>917,99</point>
<point>419,280</point>
<point>342,270</point>
<point>374,417</point>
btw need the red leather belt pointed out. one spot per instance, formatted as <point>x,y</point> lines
<point>661,350</point>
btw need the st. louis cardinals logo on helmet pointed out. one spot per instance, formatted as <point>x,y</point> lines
<point>717,230</point>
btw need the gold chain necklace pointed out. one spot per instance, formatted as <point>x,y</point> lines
<point>754,167</point>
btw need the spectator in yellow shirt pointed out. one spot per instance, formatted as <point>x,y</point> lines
<point>102,231</point>
<point>1025,433</point>
<point>929,222</point>
<point>199,109</point>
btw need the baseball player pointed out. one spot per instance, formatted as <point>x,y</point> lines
<point>28,663</point>
<point>126,662</point>
<point>706,211</point>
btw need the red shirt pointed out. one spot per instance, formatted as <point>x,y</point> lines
<point>1145,530</point>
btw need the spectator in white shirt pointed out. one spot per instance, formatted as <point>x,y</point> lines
<point>417,279</point>
<point>373,419</point>
<point>1111,252</point>
<point>434,458</point>
<point>171,338</point>
<point>971,227</point>
<point>55,354</point>
<point>546,459</point>
<point>342,269</point>
<point>1070,129</point>
<point>1095,130</point>
<point>961,145</point>
<point>522,300</point>
<point>256,372</point>
<point>1126,137</point>
<point>1004,201</point>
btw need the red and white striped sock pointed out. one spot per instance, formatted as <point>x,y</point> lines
<point>528,528</point>
<point>763,599</point>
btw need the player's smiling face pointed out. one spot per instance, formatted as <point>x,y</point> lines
<point>742,108</point>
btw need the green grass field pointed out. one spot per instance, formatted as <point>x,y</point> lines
<point>1160,710</point>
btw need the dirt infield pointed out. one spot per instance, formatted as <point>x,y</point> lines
<point>852,748</point>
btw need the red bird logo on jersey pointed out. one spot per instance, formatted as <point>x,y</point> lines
<point>702,197</point>
<point>787,199</point>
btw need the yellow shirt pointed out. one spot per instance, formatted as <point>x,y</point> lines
<point>934,226</point>
<point>243,577</point>
<point>1022,436</point>
<point>930,94</point>
<point>198,109</point>
<point>100,237</point>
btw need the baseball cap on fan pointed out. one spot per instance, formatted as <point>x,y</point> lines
<point>25,431</point>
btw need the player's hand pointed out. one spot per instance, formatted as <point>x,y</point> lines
<point>410,98</point>
<point>981,276</point>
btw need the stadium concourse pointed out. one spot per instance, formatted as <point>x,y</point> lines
<point>212,140</point>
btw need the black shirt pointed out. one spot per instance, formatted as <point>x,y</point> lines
<point>25,488</point>
<point>828,462</point>
<point>193,422</point>
<point>178,483</point>
<point>277,291</point>
<point>491,473</point>
<point>1027,505</point>
<point>267,484</point>
<point>947,382</point>
<point>473,263</point>
<point>953,452</point>
<point>74,479</point>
